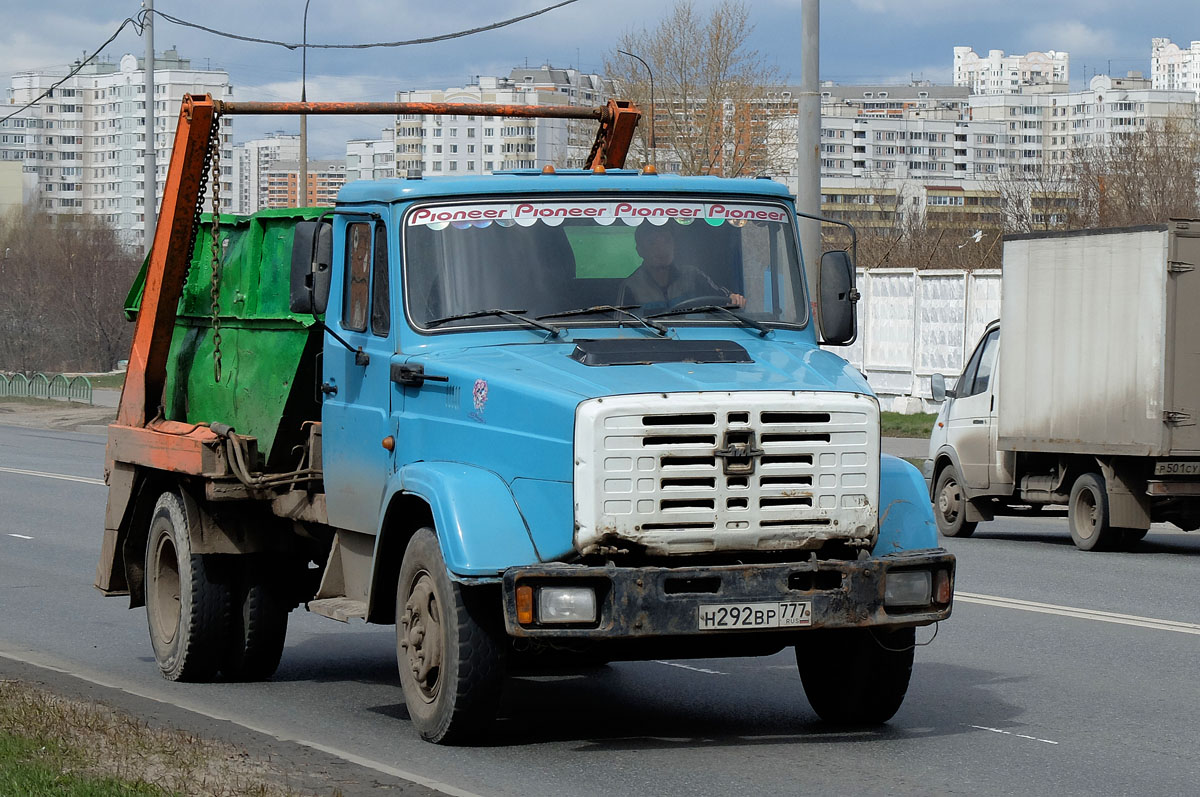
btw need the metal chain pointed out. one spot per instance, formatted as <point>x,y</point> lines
<point>214,149</point>
<point>199,206</point>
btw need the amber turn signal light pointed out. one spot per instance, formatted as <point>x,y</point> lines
<point>941,587</point>
<point>525,605</point>
<point>389,443</point>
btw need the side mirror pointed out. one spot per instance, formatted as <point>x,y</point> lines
<point>938,389</point>
<point>312,266</point>
<point>937,386</point>
<point>835,286</point>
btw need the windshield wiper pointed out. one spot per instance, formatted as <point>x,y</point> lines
<point>610,308</point>
<point>715,308</point>
<point>513,314</point>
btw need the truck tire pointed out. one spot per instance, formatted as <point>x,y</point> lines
<point>450,657</point>
<point>258,622</point>
<point>950,505</point>
<point>187,598</point>
<point>1087,514</point>
<point>856,676</point>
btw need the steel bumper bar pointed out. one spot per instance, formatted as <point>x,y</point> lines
<point>642,602</point>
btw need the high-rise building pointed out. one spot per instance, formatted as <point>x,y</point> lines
<point>997,73</point>
<point>282,182</point>
<point>464,145</point>
<point>255,159</point>
<point>1172,67</point>
<point>372,158</point>
<point>86,140</point>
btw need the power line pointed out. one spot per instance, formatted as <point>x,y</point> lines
<point>137,25</point>
<point>424,40</point>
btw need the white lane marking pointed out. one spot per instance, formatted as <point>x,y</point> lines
<point>1010,733</point>
<point>353,758</point>
<point>689,667</point>
<point>63,476</point>
<point>1082,614</point>
<point>21,536</point>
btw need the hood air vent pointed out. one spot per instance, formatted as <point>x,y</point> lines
<point>650,351</point>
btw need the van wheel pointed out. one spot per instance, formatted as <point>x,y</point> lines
<point>1087,514</point>
<point>950,505</point>
<point>258,622</point>
<point>856,676</point>
<point>449,655</point>
<point>187,598</point>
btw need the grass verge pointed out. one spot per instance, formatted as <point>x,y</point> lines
<point>895,424</point>
<point>51,745</point>
<point>108,380</point>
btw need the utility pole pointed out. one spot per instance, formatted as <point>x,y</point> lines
<point>808,142</point>
<point>150,178</point>
<point>302,198</point>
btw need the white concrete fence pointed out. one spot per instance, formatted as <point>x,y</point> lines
<point>915,323</point>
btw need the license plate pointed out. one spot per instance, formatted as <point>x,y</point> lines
<point>1176,468</point>
<point>741,616</point>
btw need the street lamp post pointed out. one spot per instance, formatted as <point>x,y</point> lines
<point>303,186</point>
<point>653,159</point>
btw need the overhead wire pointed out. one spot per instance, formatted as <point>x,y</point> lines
<point>139,24</point>
<point>405,43</point>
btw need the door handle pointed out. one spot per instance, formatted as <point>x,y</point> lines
<point>979,421</point>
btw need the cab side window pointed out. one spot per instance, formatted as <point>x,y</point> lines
<point>978,372</point>
<point>356,295</point>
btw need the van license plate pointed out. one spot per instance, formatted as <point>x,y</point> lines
<point>1176,468</point>
<point>740,616</point>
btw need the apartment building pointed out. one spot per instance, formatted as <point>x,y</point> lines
<point>282,181</point>
<point>464,145</point>
<point>255,159</point>
<point>997,73</point>
<point>372,158</point>
<point>85,142</point>
<point>1174,68</point>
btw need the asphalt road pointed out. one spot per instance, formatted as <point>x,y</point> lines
<point>1086,688</point>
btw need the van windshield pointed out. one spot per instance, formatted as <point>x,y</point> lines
<point>544,257</point>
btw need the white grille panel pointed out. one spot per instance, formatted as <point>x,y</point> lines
<point>695,472</point>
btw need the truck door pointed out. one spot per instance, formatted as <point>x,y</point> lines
<point>970,419</point>
<point>356,411</point>
<point>1183,341</point>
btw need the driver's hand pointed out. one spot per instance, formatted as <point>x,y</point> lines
<point>737,300</point>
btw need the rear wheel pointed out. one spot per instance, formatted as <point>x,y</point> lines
<point>448,647</point>
<point>1087,514</point>
<point>187,598</point>
<point>258,622</point>
<point>950,505</point>
<point>856,676</point>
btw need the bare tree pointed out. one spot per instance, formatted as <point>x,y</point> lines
<point>64,282</point>
<point>713,95</point>
<point>1139,178</point>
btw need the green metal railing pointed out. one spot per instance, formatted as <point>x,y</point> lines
<point>58,386</point>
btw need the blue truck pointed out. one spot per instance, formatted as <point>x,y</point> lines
<point>484,410</point>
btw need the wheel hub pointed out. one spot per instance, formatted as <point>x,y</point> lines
<point>421,636</point>
<point>164,590</point>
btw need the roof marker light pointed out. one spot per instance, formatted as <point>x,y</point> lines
<point>548,169</point>
<point>598,169</point>
<point>649,169</point>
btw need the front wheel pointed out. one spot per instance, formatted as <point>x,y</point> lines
<point>187,597</point>
<point>856,676</point>
<point>448,648</point>
<point>950,505</point>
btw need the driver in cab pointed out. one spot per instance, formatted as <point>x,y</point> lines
<point>660,284</point>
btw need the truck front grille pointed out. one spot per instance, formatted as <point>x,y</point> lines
<point>699,472</point>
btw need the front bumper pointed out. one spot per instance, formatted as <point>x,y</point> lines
<point>645,602</point>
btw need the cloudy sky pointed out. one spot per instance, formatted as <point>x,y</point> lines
<point>862,41</point>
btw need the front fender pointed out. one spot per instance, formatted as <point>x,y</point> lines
<point>480,529</point>
<point>905,514</point>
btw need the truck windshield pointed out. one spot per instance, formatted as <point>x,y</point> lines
<point>548,258</point>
